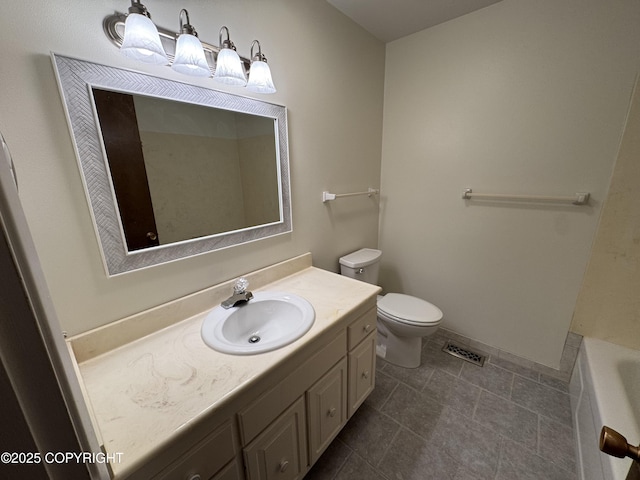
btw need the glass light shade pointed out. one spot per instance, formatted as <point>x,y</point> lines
<point>229,68</point>
<point>189,58</point>
<point>141,40</point>
<point>260,78</point>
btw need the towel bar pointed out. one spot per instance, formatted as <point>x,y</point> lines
<point>580,198</point>
<point>326,196</point>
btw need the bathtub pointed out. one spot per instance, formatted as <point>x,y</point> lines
<point>605,390</point>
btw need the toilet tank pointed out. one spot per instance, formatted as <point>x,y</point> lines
<point>363,265</point>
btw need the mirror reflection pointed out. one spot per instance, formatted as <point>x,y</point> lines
<point>182,171</point>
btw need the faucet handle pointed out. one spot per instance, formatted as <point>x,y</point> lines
<point>612,443</point>
<point>241,285</point>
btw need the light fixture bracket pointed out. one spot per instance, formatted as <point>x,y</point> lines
<point>137,7</point>
<point>258,57</point>
<point>226,43</point>
<point>186,27</point>
<point>113,26</point>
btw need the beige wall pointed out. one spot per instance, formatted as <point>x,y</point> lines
<point>520,97</point>
<point>329,73</point>
<point>608,306</point>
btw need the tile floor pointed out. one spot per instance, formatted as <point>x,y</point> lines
<point>449,419</point>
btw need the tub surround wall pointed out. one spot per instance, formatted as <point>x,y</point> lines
<point>604,391</point>
<point>608,306</point>
<point>335,127</point>
<point>519,97</point>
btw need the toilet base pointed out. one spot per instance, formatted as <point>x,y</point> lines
<point>401,351</point>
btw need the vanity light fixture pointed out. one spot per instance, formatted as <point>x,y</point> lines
<point>230,67</point>
<point>189,59</point>
<point>141,41</point>
<point>260,74</point>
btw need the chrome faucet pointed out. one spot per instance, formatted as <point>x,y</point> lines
<point>240,294</point>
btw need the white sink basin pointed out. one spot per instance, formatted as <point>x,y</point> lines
<point>267,322</point>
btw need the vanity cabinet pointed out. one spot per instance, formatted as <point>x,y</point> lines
<point>278,428</point>
<point>272,424</point>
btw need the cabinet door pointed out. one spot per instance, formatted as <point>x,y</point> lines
<point>280,452</point>
<point>362,372</point>
<point>326,409</point>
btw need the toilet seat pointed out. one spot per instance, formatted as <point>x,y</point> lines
<point>408,309</point>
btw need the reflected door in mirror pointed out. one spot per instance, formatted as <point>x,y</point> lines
<point>123,146</point>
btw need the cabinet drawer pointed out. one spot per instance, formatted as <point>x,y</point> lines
<point>361,327</point>
<point>326,409</point>
<point>280,452</point>
<point>205,458</point>
<point>362,372</point>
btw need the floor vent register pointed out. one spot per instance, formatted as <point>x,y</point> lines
<point>463,353</point>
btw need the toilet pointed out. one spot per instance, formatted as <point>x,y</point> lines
<point>402,319</point>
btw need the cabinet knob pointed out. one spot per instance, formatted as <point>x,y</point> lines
<point>154,236</point>
<point>365,374</point>
<point>367,328</point>
<point>332,412</point>
<point>284,464</point>
<point>195,476</point>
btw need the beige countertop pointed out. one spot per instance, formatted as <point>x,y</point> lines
<point>142,392</point>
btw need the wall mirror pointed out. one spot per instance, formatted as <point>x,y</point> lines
<point>172,170</point>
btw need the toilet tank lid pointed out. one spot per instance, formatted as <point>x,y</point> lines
<point>361,258</point>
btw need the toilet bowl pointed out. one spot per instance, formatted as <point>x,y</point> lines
<point>402,319</point>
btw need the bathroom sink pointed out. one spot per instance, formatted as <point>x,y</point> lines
<point>267,322</point>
